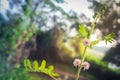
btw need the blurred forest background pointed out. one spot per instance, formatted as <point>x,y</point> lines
<point>42,29</point>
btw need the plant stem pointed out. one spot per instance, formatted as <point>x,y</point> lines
<point>84,53</point>
<point>94,24</point>
<point>80,67</point>
<point>53,78</point>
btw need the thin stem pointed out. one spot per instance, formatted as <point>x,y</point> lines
<point>53,78</point>
<point>94,24</point>
<point>80,67</point>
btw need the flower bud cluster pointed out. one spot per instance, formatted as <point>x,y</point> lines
<point>85,64</point>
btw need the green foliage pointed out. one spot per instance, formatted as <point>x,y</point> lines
<point>100,13</point>
<point>43,64</point>
<point>102,64</point>
<point>94,43</point>
<point>84,31</point>
<point>20,28</point>
<point>27,64</point>
<point>33,67</point>
<point>14,74</point>
<point>109,38</point>
<point>19,74</point>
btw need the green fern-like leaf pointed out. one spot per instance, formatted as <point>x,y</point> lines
<point>109,38</point>
<point>35,68</point>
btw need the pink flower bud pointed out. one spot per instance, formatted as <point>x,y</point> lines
<point>87,42</point>
<point>76,62</point>
<point>86,66</point>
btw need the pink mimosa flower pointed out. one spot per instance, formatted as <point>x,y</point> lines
<point>87,42</point>
<point>86,66</point>
<point>76,62</point>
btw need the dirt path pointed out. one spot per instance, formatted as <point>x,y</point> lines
<point>68,75</point>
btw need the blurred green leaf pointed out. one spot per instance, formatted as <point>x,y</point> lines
<point>55,74</point>
<point>109,38</point>
<point>43,64</point>
<point>84,31</point>
<point>51,68</point>
<point>95,42</point>
<point>94,16</point>
<point>27,64</point>
<point>46,71</point>
<point>35,66</point>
